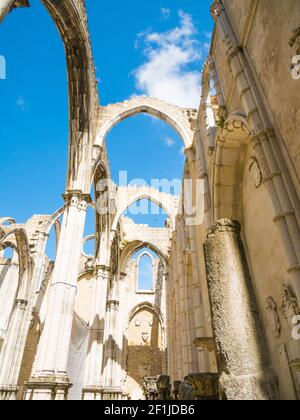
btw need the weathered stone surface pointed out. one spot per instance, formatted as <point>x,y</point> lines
<point>240,341</point>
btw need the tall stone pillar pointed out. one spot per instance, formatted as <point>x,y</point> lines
<point>112,374</point>
<point>240,341</point>
<point>11,357</point>
<point>119,372</point>
<point>50,380</point>
<point>112,389</point>
<point>93,379</point>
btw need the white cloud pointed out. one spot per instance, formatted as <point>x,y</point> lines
<point>165,74</point>
<point>168,141</point>
<point>166,13</point>
<point>22,104</point>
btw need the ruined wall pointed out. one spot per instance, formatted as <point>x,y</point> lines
<point>144,351</point>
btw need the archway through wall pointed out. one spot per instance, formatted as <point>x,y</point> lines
<point>144,348</point>
<point>144,342</point>
<point>148,150</point>
<point>144,211</point>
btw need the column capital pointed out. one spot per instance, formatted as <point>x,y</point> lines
<point>113,304</point>
<point>225,225</point>
<point>21,304</point>
<point>103,268</point>
<point>77,195</point>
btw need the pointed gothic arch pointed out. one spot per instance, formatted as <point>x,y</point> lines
<point>180,119</point>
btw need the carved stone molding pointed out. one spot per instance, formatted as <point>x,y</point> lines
<point>21,304</point>
<point>255,172</point>
<point>274,321</point>
<point>113,305</point>
<point>290,307</point>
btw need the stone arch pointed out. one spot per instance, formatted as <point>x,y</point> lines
<point>25,263</point>
<point>134,247</point>
<point>70,19</point>
<point>151,307</point>
<point>7,221</point>
<point>14,342</point>
<point>85,240</point>
<point>178,118</point>
<point>144,254</point>
<point>144,346</point>
<point>232,142</point>
<point>130,195</point>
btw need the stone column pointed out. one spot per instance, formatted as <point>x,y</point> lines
<point>119,368</point>
<point>50,380</point>
<point>113,369</point>
<point>93,380</point>
<point>11,357</point>
<point>112,389</point>
<point>240,341</point>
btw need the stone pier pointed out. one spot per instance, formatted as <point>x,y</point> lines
<point>242,351</point>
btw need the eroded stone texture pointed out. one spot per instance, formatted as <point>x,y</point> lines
<point>241,347</point>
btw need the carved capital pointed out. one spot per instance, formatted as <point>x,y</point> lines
<point>21,304</point>
<point>77,199</point>
<point>113,304</point>
<point>102,272</point>
<point>225,225</point>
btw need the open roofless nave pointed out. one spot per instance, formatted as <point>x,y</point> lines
<point>220,318</point>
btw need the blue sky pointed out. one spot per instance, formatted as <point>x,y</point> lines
<point>155,48</point>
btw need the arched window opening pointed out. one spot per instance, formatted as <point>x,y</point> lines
<point>146,212</point>
<point>147,149</point>
<point>89,247</point>
<point>145,273</point>
<point>146,263</point>
<point>8,253</point>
